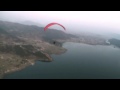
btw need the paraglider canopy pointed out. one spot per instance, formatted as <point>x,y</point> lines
<point>51,24</point>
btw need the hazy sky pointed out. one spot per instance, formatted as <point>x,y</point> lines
<point>108,21</point>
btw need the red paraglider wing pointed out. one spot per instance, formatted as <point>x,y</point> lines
<point>53,24</point>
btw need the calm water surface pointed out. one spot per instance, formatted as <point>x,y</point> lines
<point>81,61</point>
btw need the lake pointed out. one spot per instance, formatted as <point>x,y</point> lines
<point>81,61</point>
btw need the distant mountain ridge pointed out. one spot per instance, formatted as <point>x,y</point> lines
<point>33,32</point>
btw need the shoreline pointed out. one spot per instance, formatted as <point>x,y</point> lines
<point>32,62</point>
<point>26,64</point>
